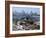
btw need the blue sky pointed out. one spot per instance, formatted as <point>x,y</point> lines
<point>26,9</point>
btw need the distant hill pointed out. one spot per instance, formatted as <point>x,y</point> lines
<point>23,15</point>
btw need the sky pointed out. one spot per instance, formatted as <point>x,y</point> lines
<point>26,9</point>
